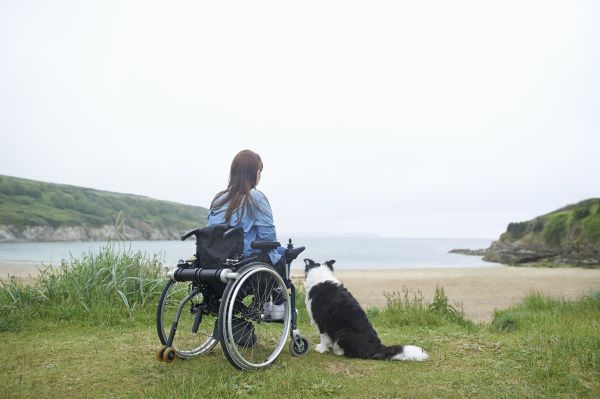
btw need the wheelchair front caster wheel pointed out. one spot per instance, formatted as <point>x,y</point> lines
<point>160,352</point>
<point>299,350</point>
<point>168,355</point>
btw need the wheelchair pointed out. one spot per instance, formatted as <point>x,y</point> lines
<point>218,296</point>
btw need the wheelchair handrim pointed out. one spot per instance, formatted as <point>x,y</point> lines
<point>239,358</point>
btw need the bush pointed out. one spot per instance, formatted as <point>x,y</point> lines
<point>581,213</point>
<point>517,230</point>
<point>591,230</point>
<point>556,229</point>
<point>538,225</point>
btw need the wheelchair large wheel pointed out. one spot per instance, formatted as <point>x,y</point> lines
<point>250,339</point>
<point>196,332</point>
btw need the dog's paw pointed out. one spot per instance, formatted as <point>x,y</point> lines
<point>321,348</point>
<point>338,350</point>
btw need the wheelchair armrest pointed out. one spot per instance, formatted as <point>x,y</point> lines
<point>264,245</point>
<point>292,253</point>
<point>187,235</point>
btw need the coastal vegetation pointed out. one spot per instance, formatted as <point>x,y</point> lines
<point>86,329</point>
<point>110,286</point>
<point>38,211</point>
<point>569,236</point>
<point>574,225</point>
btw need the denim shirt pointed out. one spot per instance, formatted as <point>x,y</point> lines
<point>257,223</point>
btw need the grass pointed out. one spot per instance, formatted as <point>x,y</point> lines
<point>544,347</point>
<point>111,286</point>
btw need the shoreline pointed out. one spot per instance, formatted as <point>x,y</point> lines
<point>480,290</point>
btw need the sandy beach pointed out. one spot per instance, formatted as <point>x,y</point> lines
<point>480,290</point>
<point>23,270</point>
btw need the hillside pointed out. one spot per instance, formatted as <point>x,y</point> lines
<point>570,235</point>
<point>38,211</point>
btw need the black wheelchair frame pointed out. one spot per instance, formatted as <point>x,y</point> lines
<point>227,303</point>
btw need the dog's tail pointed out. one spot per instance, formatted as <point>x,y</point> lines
<point>401,352</point>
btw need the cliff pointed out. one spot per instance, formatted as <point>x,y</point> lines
<point>38,211</point>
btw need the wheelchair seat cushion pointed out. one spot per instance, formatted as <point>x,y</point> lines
<point>212,249</point>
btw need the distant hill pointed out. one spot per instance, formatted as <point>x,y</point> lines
<point>570,235</point>
<point>38,211</point>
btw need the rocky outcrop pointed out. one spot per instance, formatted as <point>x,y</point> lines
<point>513,253</point>
<point>10,233</point>
<point>470,252</point>
<point>523,252</point>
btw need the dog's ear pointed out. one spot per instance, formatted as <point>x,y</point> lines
<point>330,263</point>
<point>308,264</point>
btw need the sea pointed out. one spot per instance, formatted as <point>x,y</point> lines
<point>349,252</point>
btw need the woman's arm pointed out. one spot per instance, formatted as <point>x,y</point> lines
<point>264,218</point>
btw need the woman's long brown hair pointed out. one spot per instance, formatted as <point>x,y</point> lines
<point>242,179</point>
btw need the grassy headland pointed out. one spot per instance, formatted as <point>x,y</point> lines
<point>567,236</point>
<point>575,225</point>
<point>87,330</point>
<point>33,210</point>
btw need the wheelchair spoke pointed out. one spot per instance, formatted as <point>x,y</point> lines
<point>249,340</point>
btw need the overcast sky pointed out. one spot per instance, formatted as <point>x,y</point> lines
<point>399,118</point>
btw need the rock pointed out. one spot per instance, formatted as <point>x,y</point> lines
<point>69,233</point>
<point>516,252</point>
<point>9,233</point>
<point>470,252</point>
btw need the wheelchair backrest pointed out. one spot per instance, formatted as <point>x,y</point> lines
<point>212,249</point>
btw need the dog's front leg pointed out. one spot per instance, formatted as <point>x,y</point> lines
<point>325,344</point>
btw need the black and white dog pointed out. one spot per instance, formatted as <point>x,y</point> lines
<point>342,323</point>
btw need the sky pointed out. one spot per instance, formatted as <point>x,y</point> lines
<point>431,119</point>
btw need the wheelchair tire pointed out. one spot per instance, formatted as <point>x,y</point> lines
<point>250,340</point>
<point>186,342</point>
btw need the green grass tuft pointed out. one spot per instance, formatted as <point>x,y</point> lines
<point>409,308</point>
<point>109,287</point>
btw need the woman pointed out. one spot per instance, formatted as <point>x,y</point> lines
<point>241,204</point>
